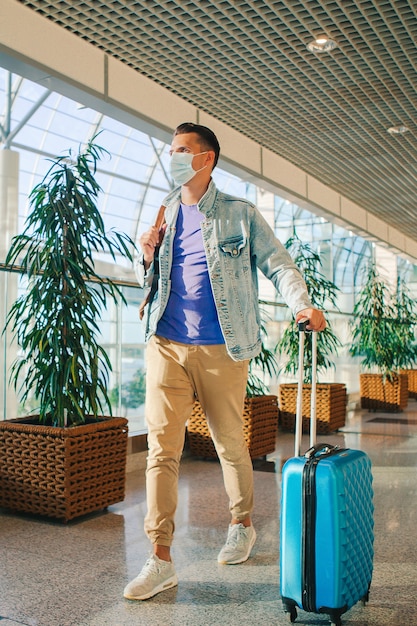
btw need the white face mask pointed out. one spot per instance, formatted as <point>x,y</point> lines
<point>181,167</point>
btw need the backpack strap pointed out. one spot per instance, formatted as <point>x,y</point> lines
<point>159,222</point>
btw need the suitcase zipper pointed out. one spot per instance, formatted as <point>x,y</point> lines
<point>313,456</point>
<point>309,535</point>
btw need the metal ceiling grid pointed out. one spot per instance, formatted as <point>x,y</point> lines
<point>246,63</point>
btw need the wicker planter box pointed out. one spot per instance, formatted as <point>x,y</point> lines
<point>412,382</point>
<point>389,396</point>
<point>62,472</point>
<point>331,406</point>
<point>260,426</point>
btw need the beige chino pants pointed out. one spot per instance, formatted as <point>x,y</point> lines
<point>175,375</point>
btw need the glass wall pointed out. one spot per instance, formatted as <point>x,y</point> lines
<point>39,125</point>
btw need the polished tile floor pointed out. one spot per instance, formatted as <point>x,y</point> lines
<point>73,575</point>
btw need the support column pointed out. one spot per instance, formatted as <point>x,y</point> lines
<point>9,194</point>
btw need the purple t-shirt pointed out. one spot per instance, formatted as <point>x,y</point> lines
<point>190,315</point>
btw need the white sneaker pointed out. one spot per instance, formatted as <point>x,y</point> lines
<point>239,543</point>
<point>156,576</point>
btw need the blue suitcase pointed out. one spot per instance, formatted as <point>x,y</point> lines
<point>326,540</point>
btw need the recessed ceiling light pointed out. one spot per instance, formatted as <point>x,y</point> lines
<point>321,44</point>
<point>398,130</point>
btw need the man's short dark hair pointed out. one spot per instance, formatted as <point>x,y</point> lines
<point>208,139</point>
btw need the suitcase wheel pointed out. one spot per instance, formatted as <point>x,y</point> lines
<point>292,614</point>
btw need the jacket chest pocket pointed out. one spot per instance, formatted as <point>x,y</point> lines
<point>235,254</point>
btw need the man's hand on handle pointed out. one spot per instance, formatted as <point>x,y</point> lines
<point>316,319</point>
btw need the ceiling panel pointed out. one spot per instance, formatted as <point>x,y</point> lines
<point>247,64</point>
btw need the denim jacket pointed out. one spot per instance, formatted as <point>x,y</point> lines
<point>237,241</point>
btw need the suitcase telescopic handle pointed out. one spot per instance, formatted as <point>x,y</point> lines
<point>302,327</point>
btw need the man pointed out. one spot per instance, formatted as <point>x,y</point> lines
<point>202,329</point>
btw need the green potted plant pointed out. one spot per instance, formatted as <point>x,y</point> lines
<point>260,412</point>
<point>68,459</point>
<point>383,336</point>
<point>331,397</point>
<point>405,306</point>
